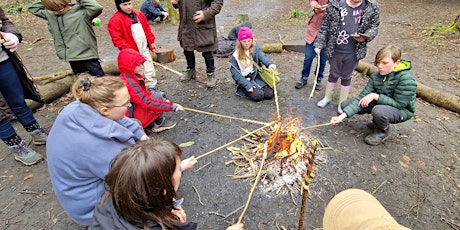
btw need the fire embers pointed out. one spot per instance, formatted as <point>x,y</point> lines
<point>289,161</point>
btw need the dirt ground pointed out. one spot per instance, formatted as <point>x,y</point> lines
<point>415,174</point>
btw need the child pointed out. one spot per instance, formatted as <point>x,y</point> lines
<point>357,209</point>
<point>197,31</point>
<point>248,82</point>
<point>389,95</point>
<point>347,27</point>
<point>86,135</point>
<point>15,86</point>
<point>71,26</point>
<point>318,7</point>
<point>129,28</point>
<point>148,106</point>
<point>153,10</point>
<point>136,201</point>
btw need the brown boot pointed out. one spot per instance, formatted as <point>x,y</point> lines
<point>211,80</point>
<point>188,74</point>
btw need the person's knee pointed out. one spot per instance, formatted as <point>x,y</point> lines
<point>257,94</point>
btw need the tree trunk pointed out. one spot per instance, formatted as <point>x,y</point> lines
<point>434,96</point>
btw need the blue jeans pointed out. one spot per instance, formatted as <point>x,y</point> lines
<point>12,91</point>
<point>309,56</point>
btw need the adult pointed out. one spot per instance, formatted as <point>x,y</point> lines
<point>15,86</point>
<point>86,136</point>
<point>197,31</point>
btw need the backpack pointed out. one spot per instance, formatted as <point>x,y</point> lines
<point>225,47</point>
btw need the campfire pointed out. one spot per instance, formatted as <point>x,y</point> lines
<point>289,157</point>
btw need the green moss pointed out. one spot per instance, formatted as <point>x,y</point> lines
<point>299,17</point>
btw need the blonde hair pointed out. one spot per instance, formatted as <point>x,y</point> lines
<point>97,92</point>
<point>242,55</point>
<point>388,51</point>
<point>55,4</point>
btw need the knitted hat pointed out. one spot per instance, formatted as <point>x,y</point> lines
<point>244,33</point>
<point>118,2</point>
<point>357,209</point>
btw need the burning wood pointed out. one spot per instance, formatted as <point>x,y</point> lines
<point>289,161</point>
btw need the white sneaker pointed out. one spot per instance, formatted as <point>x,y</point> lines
<point>323,103</point>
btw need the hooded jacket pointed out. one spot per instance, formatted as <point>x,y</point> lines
<point>107,217</point>
<point>397,89</point>
<point>119,27</point>
<point>202,36</point>
<point>81,144</point>
<point>73,34</point>
<point>147,106</point>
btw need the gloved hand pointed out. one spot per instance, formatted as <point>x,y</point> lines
<point>10,41</point>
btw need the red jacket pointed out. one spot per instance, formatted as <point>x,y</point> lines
<point>147,106</point>
<point>120,30</point>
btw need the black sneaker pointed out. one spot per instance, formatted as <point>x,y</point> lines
<point>165,125</point>
<point>301,83</point>
<point>318,85</point>
<point>377,137</point>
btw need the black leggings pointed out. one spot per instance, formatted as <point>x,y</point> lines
<point>208,59</point>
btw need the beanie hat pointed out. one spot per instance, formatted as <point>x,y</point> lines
<point>244,33</point>
<point>118,2</point>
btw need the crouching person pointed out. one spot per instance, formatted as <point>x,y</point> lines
<point>389,95</point>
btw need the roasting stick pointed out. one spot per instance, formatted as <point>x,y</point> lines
<point>224,116</point>
<point>316,126</point>
<point>316,78</point>
<point>255,183</point>
<point>232,142</point>
<point>306,184</point>
<point>167,68</point>
<point>276,97</point>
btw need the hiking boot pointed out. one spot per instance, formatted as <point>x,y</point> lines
<point>377,137</point>
<point>24,154</point>
<point>211,80</point>
<point>371,125</point>
<point>165,125</point>
<point>301,83</point>
<point>188,74</point>
<point>318,85</point>
<point>39,136</point>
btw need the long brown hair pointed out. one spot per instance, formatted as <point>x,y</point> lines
<point>140,182</point>
<point>242,55</point>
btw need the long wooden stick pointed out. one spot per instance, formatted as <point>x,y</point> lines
<point>167,68</point>
<point>307,178</point>
<point>224,116</point>
<point>316,78</point>
<point>316,126</point>
<point>276,97</point>
<point>232,142</point>
<point>255,183</point>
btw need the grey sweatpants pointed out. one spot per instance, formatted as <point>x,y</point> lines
<point>382,115</point>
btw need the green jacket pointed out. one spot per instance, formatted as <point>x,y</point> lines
<point>73,34</point>
<point>396,89</point>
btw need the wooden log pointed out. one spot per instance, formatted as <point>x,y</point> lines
<point>165,55</point>
<point>52,91</point>
<point>433,96</point>
<point>272,48</point>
